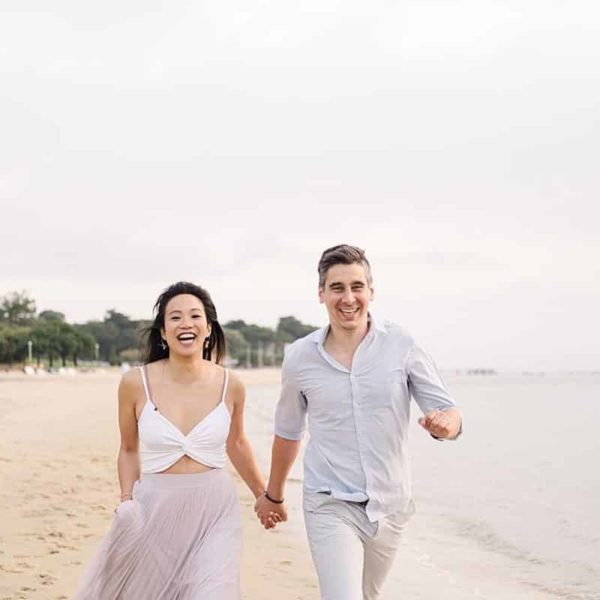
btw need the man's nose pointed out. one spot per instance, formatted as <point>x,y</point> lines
<point>348,296</point>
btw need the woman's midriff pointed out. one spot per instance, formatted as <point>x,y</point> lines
<point>186,465</point>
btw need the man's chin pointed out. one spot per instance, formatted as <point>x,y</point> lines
<point>353,324</point>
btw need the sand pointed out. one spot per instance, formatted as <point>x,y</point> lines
<point>58,489</point>
<point>58,445</point>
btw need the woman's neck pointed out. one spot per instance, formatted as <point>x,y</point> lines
<point>185,369</point>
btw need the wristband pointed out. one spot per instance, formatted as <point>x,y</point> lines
<point>266,494</point>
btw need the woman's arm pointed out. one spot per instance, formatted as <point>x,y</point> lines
<point>238,447</point>
<point>128,463</point>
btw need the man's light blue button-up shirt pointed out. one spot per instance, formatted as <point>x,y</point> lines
<point>358,419</point>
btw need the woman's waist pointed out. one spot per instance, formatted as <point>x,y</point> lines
<point>189,479</point>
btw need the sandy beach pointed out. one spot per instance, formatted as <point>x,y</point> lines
<point>471,538</point>
<point>58,443</point>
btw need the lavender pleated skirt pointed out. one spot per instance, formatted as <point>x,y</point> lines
<point>180,538</point>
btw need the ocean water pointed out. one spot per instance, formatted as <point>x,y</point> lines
<point>512,509</point>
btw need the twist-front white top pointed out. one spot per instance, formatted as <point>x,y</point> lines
<point>162,444</point>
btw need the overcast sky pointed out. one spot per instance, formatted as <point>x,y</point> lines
<point>228,143</point>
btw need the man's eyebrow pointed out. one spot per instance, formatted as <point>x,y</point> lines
<point>352,283</point>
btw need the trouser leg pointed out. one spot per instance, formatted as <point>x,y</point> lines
<point>337,552</point>
<point>379,554</point>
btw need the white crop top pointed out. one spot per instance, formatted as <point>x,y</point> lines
<point>162,444</point>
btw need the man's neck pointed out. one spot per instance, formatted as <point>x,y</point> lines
<point>346,340</point>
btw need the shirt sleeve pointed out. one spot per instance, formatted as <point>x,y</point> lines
<point>290,414</point>
<point>425,382</point>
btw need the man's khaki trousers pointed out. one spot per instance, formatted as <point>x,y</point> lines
<point>351,554</point>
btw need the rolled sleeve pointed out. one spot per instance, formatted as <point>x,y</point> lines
<point>425,382</point>
<point>290,414</point>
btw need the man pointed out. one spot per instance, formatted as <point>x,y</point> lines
<point>353,380</point>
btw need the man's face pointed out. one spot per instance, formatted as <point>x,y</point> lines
<point>346,295</point>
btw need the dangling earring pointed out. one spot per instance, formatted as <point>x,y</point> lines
<point>206,342</point>
<point>162,344</point>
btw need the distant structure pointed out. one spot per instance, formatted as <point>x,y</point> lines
<point>481,372</point>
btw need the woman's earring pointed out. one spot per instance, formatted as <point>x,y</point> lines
<point>162,344</point>
<point>206,341</point>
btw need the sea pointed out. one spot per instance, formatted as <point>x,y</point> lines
<point>509,511</point>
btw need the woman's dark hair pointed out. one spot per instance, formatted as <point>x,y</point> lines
<point>154,347</point>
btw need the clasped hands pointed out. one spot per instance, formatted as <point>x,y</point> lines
<point>269,513</point>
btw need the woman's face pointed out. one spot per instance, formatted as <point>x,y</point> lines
<point>186,326</point>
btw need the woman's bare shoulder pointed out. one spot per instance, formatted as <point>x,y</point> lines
<point>131,383</point>
<point>236,385</point>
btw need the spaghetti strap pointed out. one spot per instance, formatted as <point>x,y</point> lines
<point>225,381</point>
<point>145,382</point>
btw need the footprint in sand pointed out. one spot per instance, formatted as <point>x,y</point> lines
<point>46,578</point>
<point>66,547</point>
<point>6,569</point>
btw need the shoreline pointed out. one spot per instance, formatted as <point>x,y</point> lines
<point>58,447</point>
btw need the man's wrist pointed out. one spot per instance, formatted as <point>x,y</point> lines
<point>273,499</point>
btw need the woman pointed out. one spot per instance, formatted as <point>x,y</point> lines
<point>177,532</point>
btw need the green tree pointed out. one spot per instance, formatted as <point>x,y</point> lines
<point>17,308</point>
<point>290,329</point>
<point>116,334</point>
<point>237,345</point>
<point>66,341</point>
<point>51,315</point>
<point>46,341</point>
<point>13,343</point>
<point>85,345</point>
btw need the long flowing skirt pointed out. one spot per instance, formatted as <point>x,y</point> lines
<point>178,539</point>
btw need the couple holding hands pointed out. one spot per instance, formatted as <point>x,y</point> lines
<point>176,534</point>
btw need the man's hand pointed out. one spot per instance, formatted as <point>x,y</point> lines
<point>269,513</point>
<point>444,424</point>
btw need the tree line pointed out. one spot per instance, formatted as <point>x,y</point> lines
<point>47,339</point>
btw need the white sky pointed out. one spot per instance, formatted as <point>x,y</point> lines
<point>230,142</point>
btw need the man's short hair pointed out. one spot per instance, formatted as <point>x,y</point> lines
<point>343,254</point>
